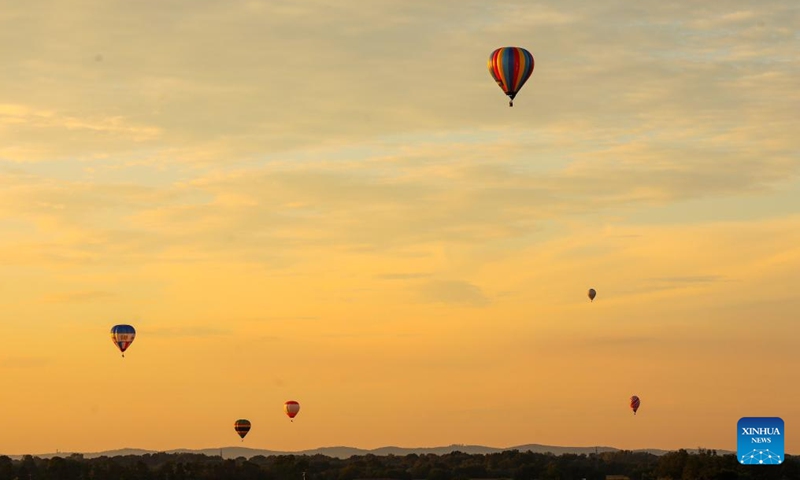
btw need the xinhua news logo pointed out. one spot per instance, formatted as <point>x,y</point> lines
<point>760,441</point>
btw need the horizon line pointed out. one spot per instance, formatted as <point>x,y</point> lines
<point>453,446</point>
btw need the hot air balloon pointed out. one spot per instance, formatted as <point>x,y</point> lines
<point>634,404</point>
<point>242,426</point>
<point>511,67</point>
<point>122,336</point>
<point>592,294</point>
<point>291,408</point>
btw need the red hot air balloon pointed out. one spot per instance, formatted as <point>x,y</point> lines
<point>291,408</point>
<point>511,67</point>
<point>634,404</point>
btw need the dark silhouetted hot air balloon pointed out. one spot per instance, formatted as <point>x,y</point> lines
<point>122,336</point>
<point>634,404</point>
<point>592,294</point>
<point>511,67</point>
<point>291,408</point>
<point>242,426</point>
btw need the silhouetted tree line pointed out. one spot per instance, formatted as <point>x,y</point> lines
<point>512,464</point>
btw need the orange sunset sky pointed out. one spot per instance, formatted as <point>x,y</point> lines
<point>331,202</point>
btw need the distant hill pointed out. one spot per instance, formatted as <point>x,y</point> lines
<point>346,452</point>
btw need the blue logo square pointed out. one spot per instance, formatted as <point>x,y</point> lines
<point>760,441</point>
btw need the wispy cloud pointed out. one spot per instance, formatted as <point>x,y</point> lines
<point>271,213</point>
<point>607,341</point>
<point>688,279</point>
<point>209,93</point>
<point>402,276</point>
<point>186,332</point>
<point>287,317</point>
<point>24,362</point>
<point>453,292</point>
<point>75,297</point>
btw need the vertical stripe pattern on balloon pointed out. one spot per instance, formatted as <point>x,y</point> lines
<point>511,67</point>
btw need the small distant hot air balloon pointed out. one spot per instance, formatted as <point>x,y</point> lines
<point>291,408</point>
<point>242,426</point>
<point>592,294</point>
<point>511,67</point>
<point>634,404</point>
<point>122,336</point>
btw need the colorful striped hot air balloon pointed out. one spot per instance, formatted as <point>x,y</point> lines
<point>511,67</point>
<point>122,336</point>
<point>242,426</point>
<point>634,404</point>
<point>291,408</point>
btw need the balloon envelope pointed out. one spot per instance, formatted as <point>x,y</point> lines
<point>242,426</point>
<point>511,67</point>
<point>592,294</point>
<point>291,408</point>
<point>635,404</point>
<point>122,336</point>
